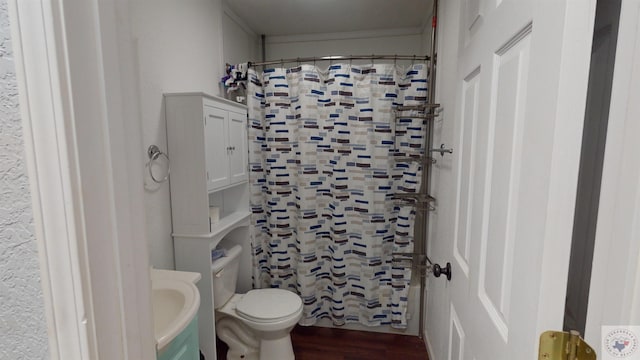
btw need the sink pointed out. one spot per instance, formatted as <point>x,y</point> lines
<point>175,303</point>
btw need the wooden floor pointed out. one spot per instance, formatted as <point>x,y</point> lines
<point>317,343</point>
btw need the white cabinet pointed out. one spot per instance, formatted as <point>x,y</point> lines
<point>207,145</point>
<point>226,147</point>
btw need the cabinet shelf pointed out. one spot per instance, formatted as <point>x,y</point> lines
<point>244,182</point>
<point>222,227</point>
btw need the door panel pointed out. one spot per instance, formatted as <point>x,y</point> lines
<point>238,142</point>
<point>517,142</point>
<point>457,337</point>
<point>216,144</point>
<point>496,256</point>
<point>466,144</point>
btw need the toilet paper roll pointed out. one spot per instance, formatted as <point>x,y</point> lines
<point>214,214</point>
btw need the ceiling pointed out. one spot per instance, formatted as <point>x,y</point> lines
<point>293,17</point>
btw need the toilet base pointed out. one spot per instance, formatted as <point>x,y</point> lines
<point>234,355</point>
<point>276,347</point>
<point>239,338</point>
<point>246,343</point>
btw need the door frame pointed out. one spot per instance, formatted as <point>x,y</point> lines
<point>618,272</point>
<point>78,99</point>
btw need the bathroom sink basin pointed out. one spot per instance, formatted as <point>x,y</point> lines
<point>175,304</point>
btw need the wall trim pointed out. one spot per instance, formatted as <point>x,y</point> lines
<point>573,73</point>
<point>616,261</point>
<point>73,71</point>
<point>64,276</point>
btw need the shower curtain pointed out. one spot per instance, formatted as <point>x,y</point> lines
<point>323,174</point>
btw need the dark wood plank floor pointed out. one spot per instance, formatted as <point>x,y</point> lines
<point>317,343</point>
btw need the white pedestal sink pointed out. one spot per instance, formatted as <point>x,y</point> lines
<point>175,300</point>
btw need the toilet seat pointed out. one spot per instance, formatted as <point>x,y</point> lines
<point>268,305</point>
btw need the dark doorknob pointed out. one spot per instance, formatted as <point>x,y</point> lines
<point>439,270</point>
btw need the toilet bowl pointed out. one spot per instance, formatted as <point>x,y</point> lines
<point>255,325</point>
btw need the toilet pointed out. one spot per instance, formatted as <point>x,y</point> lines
<point>255,325</point>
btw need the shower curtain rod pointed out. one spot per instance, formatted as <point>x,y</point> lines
<point>338,57</point>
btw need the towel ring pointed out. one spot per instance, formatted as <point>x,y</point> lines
<point>154,153</point>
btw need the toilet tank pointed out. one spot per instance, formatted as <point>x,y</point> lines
<point>225,275</point>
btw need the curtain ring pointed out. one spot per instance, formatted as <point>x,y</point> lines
<point>282,63</point>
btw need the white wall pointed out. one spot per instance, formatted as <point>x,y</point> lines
<point>179,47</point>
<point>241,44</point>
<point>406,41</point>
<point>23,325</point>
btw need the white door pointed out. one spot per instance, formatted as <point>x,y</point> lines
<point>216,145</point>
<point>238,142</point>
<point>512,79</point>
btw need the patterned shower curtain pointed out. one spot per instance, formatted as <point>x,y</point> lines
<point>322,173</point>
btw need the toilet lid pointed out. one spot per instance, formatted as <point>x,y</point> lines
<point>265,305</point>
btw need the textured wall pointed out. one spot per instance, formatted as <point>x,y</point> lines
<point>23,332</point>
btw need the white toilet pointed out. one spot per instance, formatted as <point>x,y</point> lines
<point>255,325</point>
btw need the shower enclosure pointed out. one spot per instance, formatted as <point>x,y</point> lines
<point>339,163</point>
<point>336,167</point>
<point>329,194</point>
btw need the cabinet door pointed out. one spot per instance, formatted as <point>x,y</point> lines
<point>216,147</point>
<point>238,159</point>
